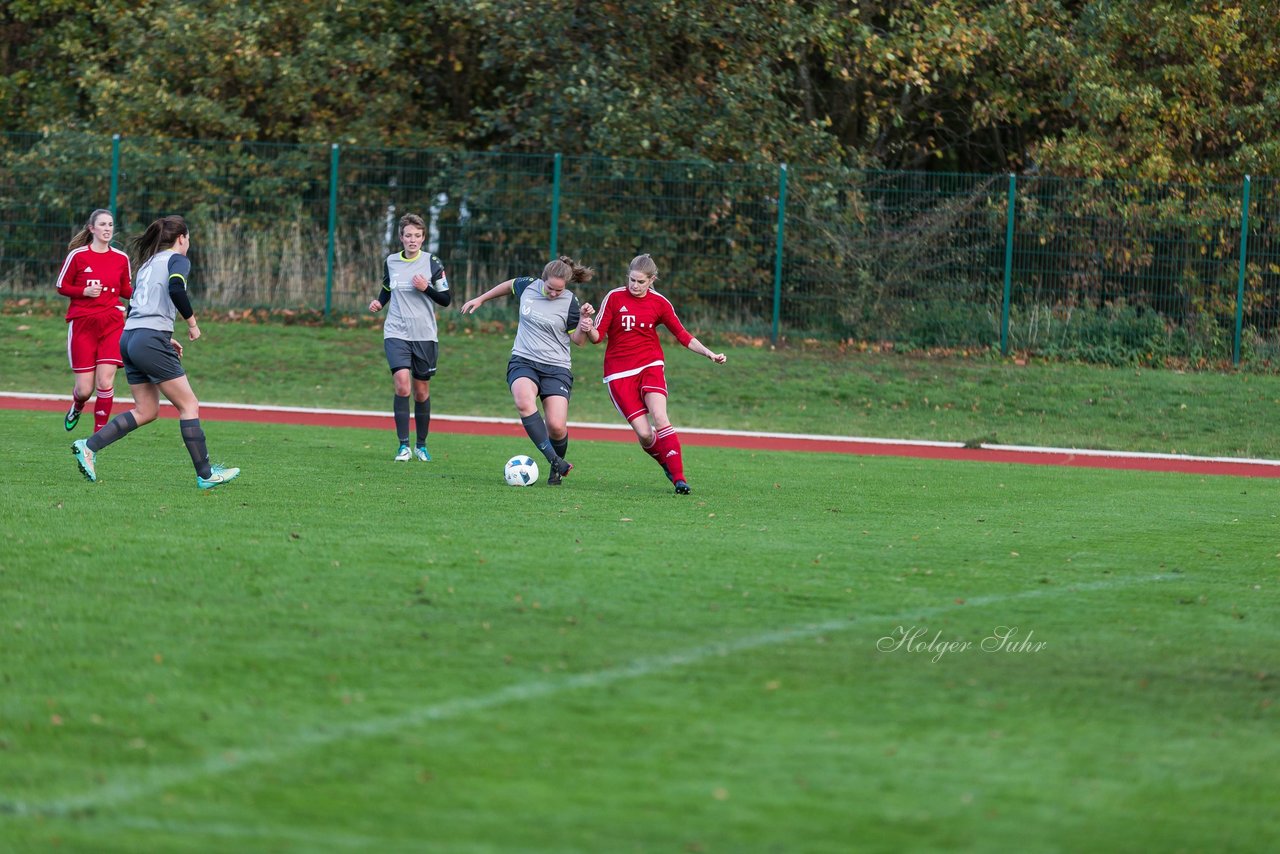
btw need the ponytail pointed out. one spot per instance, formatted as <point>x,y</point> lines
<point>568,269</point>
<point>159,236</point>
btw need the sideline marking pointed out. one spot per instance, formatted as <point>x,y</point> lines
<point>228,761</point>
<point>740,439</point>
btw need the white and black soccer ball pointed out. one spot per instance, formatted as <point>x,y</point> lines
<point>521,471</point>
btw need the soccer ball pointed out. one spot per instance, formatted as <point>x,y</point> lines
<point>521,471</point>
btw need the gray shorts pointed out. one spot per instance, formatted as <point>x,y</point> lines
<point>148,357</point>
<point>552,380</point>
<point>418,357</point>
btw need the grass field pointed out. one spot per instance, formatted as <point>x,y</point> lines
<point>797,390</point>
<point>337,652</point>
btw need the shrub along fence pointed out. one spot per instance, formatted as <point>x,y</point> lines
<point>1107,271</point>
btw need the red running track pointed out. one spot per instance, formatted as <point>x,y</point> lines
<point>726,439</point>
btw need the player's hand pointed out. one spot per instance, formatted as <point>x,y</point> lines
<point>420,282</point>
<point>193,331</point>
<point>375,306</point>
<point>586,325</point>
<point>588,310</point>
<point>92,291</point>
<point>470,306</point>
<point>177,347</point>
<point>718,358</point>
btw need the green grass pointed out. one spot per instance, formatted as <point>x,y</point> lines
<point>337,652</point>
<point>800,391</point>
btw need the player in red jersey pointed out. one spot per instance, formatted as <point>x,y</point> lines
<point>633,362</point>
<point>95,276</point>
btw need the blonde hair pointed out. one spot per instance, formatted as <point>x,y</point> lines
<point>568,269</point>
<point>84,237</point>
<point>644,264</point>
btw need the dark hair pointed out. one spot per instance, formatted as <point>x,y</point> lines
<point>568,269</point>
<point>83,236</point>
<point>412,219</point>
<point>159,236</point>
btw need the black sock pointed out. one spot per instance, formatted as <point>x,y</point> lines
<point>116,428</point>
<point>537,430</point>
<point>422,420</point>
<point>561,445</point>
<point>400,406</point>
<point>193,438</point>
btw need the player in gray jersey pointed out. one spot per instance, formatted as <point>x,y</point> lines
<point>152,356</point>
<point>413,284</point>
<point>550,317</point>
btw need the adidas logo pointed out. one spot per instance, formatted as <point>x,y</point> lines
<point>624,308</point>
<point>88,269</point>
<point>673,453</point>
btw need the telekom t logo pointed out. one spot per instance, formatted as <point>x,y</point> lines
<point>628,322</point>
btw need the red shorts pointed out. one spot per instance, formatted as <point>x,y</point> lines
<point>94,340</point>
<point>628,393</point>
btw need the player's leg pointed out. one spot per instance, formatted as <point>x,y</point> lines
<point>667,442</point>
<point>81,354</point>
<point>424,368</point>
<point>104,386</point>
<point>179,392</point>
<point>556,410</point>
<point>555,388</point>
<point>523,379</point>
<point>147,357</point>
<point>399,360</point>
<point>108,359</point>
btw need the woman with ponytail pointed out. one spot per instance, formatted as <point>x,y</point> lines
<point>95,277</point>
<point>550,317</point>
<point>152,356</point>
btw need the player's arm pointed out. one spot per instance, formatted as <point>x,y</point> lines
<point>600,320</point>
<point>505,289</point>
<point>697,346</point>
<point>179,268</point>
<point>438,292</point>
<point>384,293</point>
<point>578,322</point>
<point>66,280</point>
<point>126,286</point>
<point>685,337</point>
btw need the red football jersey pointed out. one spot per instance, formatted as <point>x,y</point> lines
<point>631,325</point>
<point>83,268</point>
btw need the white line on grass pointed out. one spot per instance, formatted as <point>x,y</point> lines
<point>753,434</point>
<point>157,780</point>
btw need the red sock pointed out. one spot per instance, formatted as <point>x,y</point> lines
<point>668,448</point>
<point>102,410</point>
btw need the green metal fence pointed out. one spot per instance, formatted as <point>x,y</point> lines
<point>1090,269</point>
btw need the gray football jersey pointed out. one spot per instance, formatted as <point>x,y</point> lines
<point>543,332</point>
<point>411,314</point>
<point>150,307</point>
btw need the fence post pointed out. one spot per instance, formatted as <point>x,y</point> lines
<point>777,251</point>
<point>1244,258</point>
<point>333,228</point>
<point>115,174</point>
<point>555,209</point>
<point>1008,266</point>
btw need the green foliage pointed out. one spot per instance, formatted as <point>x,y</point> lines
<point>1107,88</point>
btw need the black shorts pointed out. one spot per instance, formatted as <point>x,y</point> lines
<point>148,357</point>
<point>418,357</point>
<point>552,380</point>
